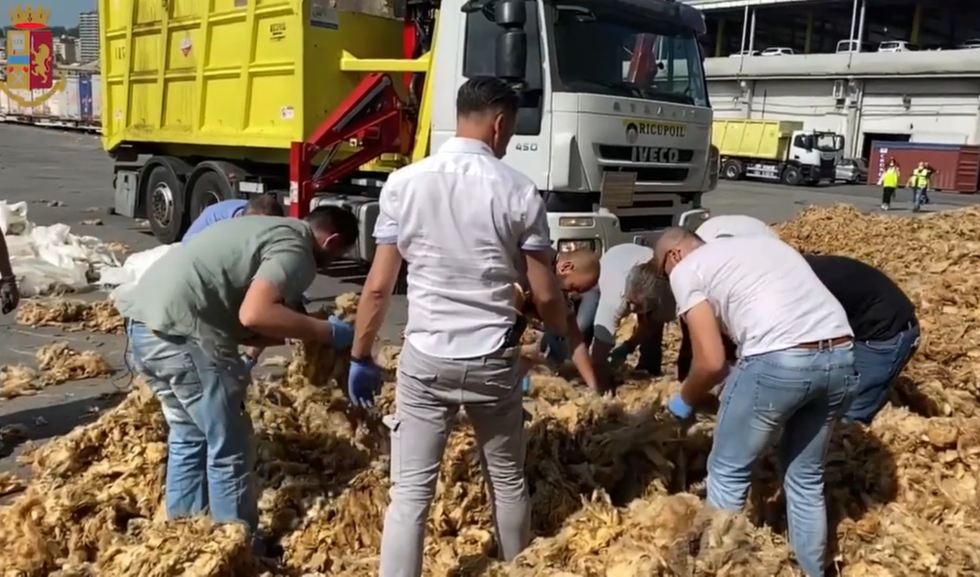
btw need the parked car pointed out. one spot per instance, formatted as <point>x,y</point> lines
<point>853,46</point>
<point>745,53</point>
<point>897,46</point>
<point>852,170</point>
<point>777,51</point>
<point>971,44</point>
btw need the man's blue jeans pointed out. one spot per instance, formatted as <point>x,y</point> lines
<point>211,453</point>
<point>797,394</point>
<point>916,198</point>
<point>879,364</point>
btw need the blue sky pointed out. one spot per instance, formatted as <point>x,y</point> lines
<point>63,12</point>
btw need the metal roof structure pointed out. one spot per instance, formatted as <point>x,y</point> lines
<point>710,5</point>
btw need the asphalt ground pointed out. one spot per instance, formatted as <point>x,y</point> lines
<point>67,178</point>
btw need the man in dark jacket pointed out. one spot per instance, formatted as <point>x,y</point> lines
<point>886,331</point>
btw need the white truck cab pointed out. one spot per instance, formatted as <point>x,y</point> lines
<point>614,126</point>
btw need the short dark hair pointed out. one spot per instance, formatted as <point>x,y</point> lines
<point>264,205</point>
<point>482,94</point>
<point>334,220</point>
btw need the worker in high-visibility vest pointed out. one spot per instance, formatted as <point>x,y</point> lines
<point>919,182</point>
<point>889,182</point>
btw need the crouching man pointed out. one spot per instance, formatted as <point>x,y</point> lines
<point>794,377</point>
<point>186,318</point>
<point>886,331</point>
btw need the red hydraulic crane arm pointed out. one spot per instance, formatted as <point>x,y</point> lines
<point>642,63</point>
<point>373,118</point>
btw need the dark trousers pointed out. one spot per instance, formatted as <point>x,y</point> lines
<point>886,194</point>
<point>686,354</point>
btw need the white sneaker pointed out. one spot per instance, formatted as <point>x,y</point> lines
<point>885,207</point>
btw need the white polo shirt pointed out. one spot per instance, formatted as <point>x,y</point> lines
<point>614,267</point>
<point>733,225</point>
<point>764,293</point>
<point>461,219</point>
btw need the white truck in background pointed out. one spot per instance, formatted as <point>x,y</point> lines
<point>777,151</point>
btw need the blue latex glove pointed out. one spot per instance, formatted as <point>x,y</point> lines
<point>249,362</point>
<point>619,354</point>
<point>555,349</point>
<point>343,333</point>
<point>363,383</point>
<point>526,385</point>
<point>679,408</point>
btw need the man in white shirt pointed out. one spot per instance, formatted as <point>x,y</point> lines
<point>470,227</point>
<point>794,377</point>
<point>733,225</point>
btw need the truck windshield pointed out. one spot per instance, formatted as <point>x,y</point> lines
<point>828,142</point>
<point>602,52</point>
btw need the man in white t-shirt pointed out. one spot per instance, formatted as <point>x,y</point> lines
<point>794,377</point>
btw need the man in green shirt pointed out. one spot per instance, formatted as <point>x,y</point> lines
<point>187,316</point>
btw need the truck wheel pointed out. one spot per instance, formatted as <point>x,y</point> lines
<point>165,205</point>
<point>792,176</point>
<point>208,189</point>
<point>732,170</point>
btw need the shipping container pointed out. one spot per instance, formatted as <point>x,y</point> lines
<point>957,166</point>
<point>97,99</point>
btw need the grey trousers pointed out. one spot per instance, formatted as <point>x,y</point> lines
<point>428,395</point>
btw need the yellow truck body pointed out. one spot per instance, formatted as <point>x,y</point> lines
<point>243,78</point>
<point>761,139</point>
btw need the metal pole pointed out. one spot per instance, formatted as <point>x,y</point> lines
<point>860,36</point>
<point>752,32</point>
<point>745,30</point>
<point>854,15</point>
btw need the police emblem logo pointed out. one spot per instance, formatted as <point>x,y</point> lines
<point>30,57</point>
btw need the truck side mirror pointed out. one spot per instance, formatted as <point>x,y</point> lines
<point>510,45</point>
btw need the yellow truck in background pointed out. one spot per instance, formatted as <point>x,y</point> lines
<point>219,99</point>
<point>776,150</point>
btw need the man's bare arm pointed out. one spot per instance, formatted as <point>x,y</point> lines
<point>262,312</point>
<point>709,366</point>
<point>547,295</point>
<point>581,357</point>
<point>375,298</point>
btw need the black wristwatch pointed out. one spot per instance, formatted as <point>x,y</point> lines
<point>362,360</point>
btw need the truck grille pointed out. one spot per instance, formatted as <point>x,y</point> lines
<point>640,159</point>
<point>625,153</point>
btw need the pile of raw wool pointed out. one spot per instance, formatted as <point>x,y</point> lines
<point>615,486</point>
<point>56,363</point>
<point>71,315</point>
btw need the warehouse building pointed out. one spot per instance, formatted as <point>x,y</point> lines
<point>925,91</point>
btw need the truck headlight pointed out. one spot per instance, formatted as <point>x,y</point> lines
<point>574,245</point>
<point>576,222</point>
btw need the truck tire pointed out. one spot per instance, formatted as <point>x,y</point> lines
<point>732,170</point>
<point>209,188</point>
<point>164,204</point>
<point>792,176</point>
